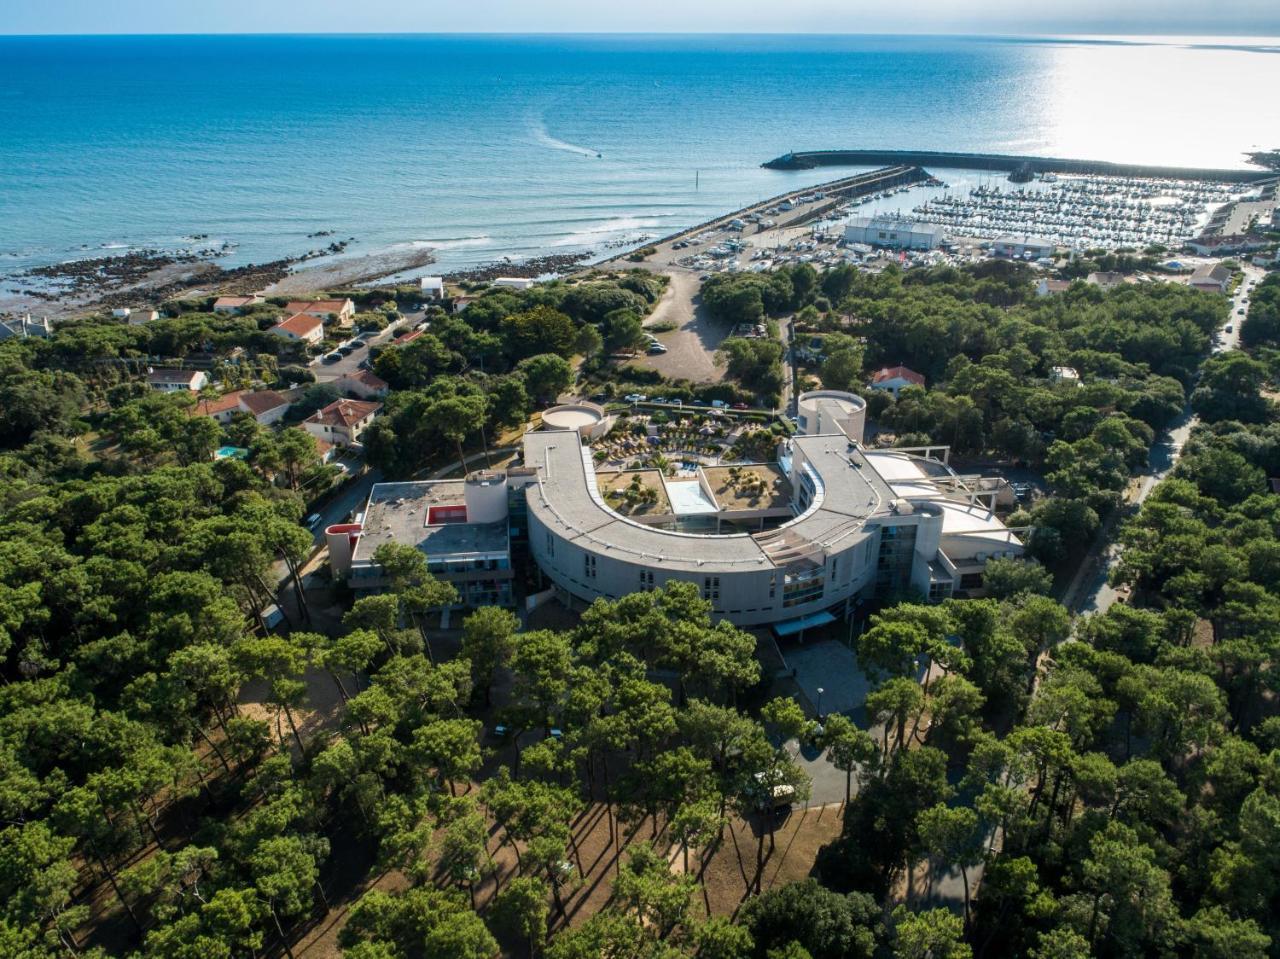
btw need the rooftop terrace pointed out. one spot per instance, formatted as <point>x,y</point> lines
<point>398,513</point>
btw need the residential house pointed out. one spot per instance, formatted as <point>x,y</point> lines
<point>342,421</point>
<point>1213,278</point>
<point>265,406</point>
<point>1046,286</point>
<point>512,283</point>
<point>25,326</point>
<point>365,384</point>
<point>460,303</point>
<point>1105,280</point>
<point>175,381</point>
<point>142,317</point>
<point>1064,374</point>
<point>235,304</point>
<point>344,310</point>
<point>432,287</point>
<point>895,378</point>
<point>300,327</point>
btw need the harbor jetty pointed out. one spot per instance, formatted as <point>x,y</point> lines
<point>1024,165</point>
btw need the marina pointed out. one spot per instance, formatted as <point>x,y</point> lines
<point>1083,212</point>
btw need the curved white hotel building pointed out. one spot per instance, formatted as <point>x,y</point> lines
<point>849,523</point>
<point>788,544</point>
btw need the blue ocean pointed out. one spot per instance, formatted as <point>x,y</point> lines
<point>484,147</point>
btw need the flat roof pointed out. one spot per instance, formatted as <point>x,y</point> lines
<point>397,513</point>
<point>567,500</point>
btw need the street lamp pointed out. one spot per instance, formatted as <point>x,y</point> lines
<point>820,692</point>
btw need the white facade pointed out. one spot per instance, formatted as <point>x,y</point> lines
<point>893,233</point>
<point>176,381</point>
<point>1064,374</point>
<point>512,283</point>
<point>432,287</point>
<point>862,523</point>
<point>1024,247</point>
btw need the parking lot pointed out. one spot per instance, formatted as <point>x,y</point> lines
<point>328,372</point>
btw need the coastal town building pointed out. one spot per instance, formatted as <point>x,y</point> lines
<point>364,384</point>
<point>1105,280</point>
<point>1212,278</point>
<point>1046,286</point>
<point>25,326</point>
<point>142,317</point>
<point>175,381</point>
<point>893,233</point>
<point>1023,247</point>
<point>432,287</point>
<point>301,328</point>
<point>235,304</point>
<point>343,310</point>
<point>460,303</point>
<point>462,526</point>
<point>342,421</point>
<point>1064,374</point>
<point>512,283</point>
<point>1217,244</point>
<point>265,406</point>
<point>836,526</point>
<point>894,379</point>
<point>121,312</point>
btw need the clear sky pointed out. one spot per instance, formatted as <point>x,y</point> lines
<point>1146,17</point>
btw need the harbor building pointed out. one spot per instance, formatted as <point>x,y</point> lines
<point>789,544</point>
<point>1023,247</point>
<point>894,233</point>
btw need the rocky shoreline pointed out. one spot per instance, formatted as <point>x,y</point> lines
<point>529,269</point>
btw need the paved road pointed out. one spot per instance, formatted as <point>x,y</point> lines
<point>1090,592</point>
<point>328,372</point>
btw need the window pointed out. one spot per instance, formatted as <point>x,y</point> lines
<point>711,587</point>
<point>589,565</point>
<point>773,584</point>
<point>551,544</point>
<point>646,580</point>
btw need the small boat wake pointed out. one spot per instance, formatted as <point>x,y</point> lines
<point>540,134</point>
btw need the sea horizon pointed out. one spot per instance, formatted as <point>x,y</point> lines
<point>487,146</point>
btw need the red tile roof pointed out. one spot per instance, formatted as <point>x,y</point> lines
<point>315,306</point>
<point>237,301</point>
<point>300,325</point>
<point>897,373</point>
<point>366,378</point>
<point>221,404</point>
<point>344,412</point>
<point>263,401</point>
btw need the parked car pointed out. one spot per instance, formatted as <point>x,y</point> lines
<point>314,520</point>
<point>332,357</point>
<point>740,406</point>
<point>720,404</point>
<point>656,348</point>
<point>635,397</point>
